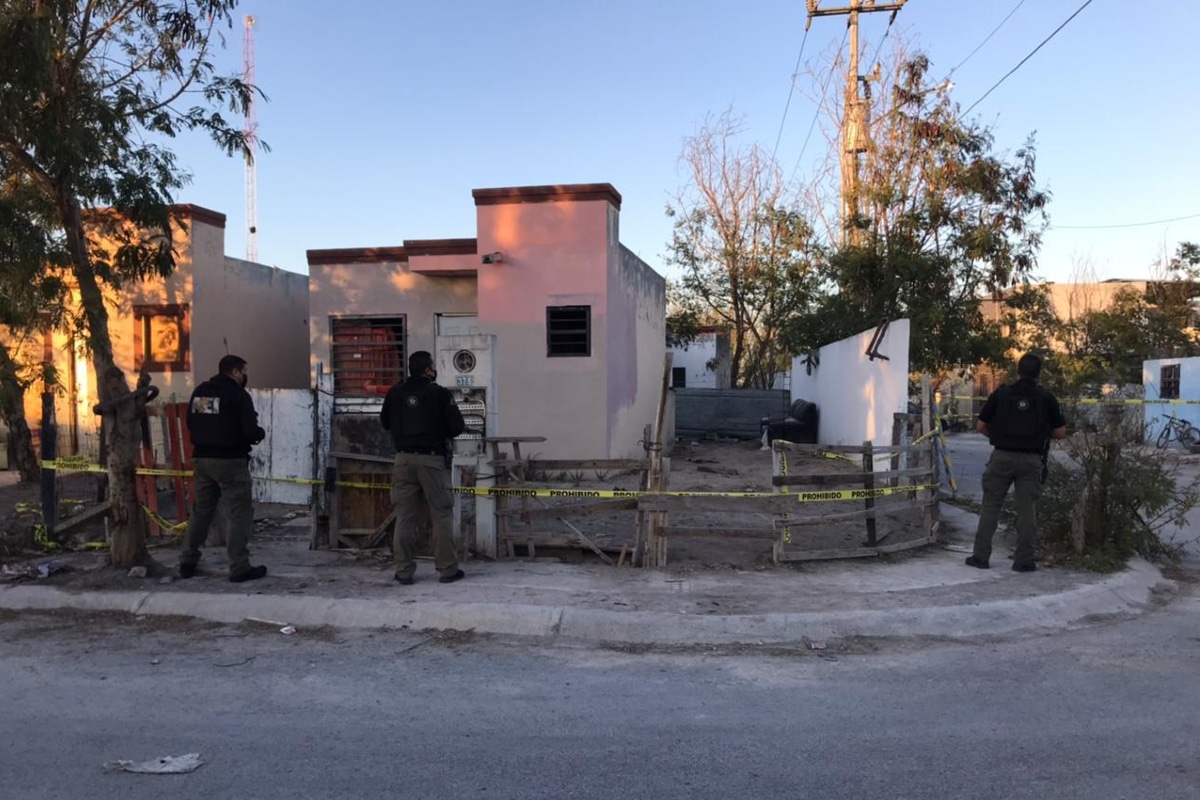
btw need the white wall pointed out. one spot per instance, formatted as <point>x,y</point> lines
<point>855,396</point>
<point>287,452</point>
<point>694,358</point>
<point>1189,389</point>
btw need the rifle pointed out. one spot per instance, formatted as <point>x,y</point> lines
<point>1046,460</point>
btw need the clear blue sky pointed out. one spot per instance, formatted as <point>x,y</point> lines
<point>384,115</point>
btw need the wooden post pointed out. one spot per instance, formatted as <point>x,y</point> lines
<point>656,546</point>
<point>868,462</point>
<point>927,418</point>
<point>49,454</point>
<point>642,517</point>
<point>779,468</point>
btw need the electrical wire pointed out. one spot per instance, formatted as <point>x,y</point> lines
<point>791,91</point>
<point>1045,41</point>
<point>875,59</point>
<point>1123,225</point>
<point>995,30</point>
<point>816,114</point>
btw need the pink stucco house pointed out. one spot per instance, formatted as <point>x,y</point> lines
<point>544,324</point>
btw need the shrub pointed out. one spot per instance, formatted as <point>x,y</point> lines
<point>1111,496</point>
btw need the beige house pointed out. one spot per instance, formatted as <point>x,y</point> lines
<point>176,330</point>
<point>542,324</point>
<point>1070,301</point>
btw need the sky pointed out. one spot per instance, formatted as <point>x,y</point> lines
<point>383,116</point>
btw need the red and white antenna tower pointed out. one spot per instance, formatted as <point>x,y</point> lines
<point>251,132</point>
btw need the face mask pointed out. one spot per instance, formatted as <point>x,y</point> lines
<point>245,380</point>
<point>432,374</point>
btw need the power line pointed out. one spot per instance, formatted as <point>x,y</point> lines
<point>879,49</point>
<point>1123,225</point>
<point>821,104</point>
<point>989,37</point>
<point>791,90</point>
<point>1078,11</point>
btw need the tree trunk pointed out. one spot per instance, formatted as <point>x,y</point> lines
<point>127,544</point>
<point>12,411</point>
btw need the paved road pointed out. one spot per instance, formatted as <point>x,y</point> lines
<point>1110,712</point>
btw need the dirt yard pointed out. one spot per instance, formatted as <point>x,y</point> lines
<point>702,466</point>
<point>720,466</point>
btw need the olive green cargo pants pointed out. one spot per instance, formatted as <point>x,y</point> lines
<point>1024,472</point>
<point>217,479</point>
<point>420,479</point>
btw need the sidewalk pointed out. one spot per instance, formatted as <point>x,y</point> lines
<point>928,594</point>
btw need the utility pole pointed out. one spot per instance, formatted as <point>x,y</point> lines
<point>856,115</point>
<point>251,132</point>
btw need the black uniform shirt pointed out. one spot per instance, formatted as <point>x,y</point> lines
<point>421,416</point>
<point>221,420</point>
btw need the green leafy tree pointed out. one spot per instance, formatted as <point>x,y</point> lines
<point>31,301</point>
<point>745,254</point>
<point>91,92</point>
<point>942,219</point>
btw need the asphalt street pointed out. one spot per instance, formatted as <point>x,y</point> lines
<point>1108,712</point>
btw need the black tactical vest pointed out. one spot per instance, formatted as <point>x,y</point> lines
<point>1022,418</point>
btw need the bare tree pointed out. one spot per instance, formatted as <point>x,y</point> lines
<point>746,254</point>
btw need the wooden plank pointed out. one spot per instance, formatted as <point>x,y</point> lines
<point>377,538</point>
<point>841,449</point>
<point>362,457</point>
<point>596,507</point>
<point>590,544</point>
<point>761,504</point>
<point>842,516</point>
<point>175,457</point>
<point>186,453</point>
<point>680,531</point>
<point>86,516</point>
<point>597,464</point>
<point>855,478</point>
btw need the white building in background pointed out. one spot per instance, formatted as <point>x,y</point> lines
<point>1170,379</point>
<point>703,364</point>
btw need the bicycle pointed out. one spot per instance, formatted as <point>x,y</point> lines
<point>1182,431</point>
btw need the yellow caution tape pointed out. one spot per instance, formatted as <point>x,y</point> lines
<point>818,496</point>
<point>1089,401</point>
<point>858,494</point>
<point>166,525</point>
<point>926,436</point>
<point>513,491</point>
<point>946,460</point>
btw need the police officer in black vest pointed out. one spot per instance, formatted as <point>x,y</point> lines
<point>1019,420</point>
<point>223,426</point>
<point>422,419</point>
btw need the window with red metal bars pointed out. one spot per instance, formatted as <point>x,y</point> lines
<point>368,354</point>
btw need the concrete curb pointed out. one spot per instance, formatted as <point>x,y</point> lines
<point>1123,593</point>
